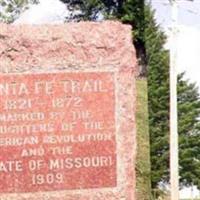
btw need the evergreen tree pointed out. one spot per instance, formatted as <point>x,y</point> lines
<point>189,132</point>
<point>158,94</point>
<point>91,9</point>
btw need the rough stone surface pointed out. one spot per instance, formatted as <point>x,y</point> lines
<point>77,48</point>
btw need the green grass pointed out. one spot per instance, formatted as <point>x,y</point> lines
<point>143,147</point>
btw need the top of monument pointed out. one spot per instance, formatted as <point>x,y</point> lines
<point>24,47</point>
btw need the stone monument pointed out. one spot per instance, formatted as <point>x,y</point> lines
<point>67,112</point>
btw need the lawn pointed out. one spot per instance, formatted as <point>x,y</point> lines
<point>143,147</point>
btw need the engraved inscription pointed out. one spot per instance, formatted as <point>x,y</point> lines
<point>57,132</point>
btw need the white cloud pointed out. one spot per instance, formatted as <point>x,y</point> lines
<point>188,52</point>
<point>188,193</point>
